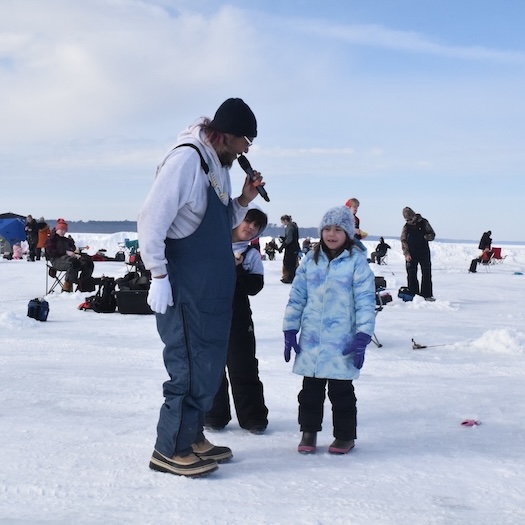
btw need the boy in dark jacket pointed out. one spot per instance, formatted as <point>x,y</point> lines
<point>415,236</point>
<point>243,369</point>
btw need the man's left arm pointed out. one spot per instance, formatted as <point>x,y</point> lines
<point>430,234</point>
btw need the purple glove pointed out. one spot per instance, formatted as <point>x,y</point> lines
<point>290,341</point>
<point>358,347</point>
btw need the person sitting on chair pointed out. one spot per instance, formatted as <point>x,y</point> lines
<point>485,245</point>
<point>62,254</point>
<point>381,251</point>
<point>270,249</point>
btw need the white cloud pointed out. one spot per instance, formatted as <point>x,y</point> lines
<point>378,36</point>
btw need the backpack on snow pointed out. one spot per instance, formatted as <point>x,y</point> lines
<point>104,301</point>
<point>38,309</point>
<point>405,294</point>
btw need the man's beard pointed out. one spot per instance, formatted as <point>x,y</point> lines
<point>227,158</point>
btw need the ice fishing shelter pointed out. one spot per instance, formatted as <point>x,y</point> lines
<point>12,228</point>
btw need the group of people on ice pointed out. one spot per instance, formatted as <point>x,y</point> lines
<point>202,304</point>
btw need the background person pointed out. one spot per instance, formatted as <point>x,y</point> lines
<point>185,227</point>
<point>290,245</point>
<point>307,245</point>
<point>353,204</point>
<point>62,254</point>
<point>270,249</point>
<point>485,245</point>
<point>31,229</point>
<point>380,251</point>
<point>485,241</point>
<point>43,233</point>
<point>415,236</point>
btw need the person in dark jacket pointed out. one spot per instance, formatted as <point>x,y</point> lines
<point>485,245</point>
<point>62,254</point>
<point>31,229</point>
<point>485,241</point>
<point>242,365</point>
<point>381,250</point>
<point>415,236</point>
<point>290,245</point>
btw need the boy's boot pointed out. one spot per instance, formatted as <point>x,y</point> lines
<point>67,287</point>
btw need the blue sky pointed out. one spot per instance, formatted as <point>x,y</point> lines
<point>399,103</point>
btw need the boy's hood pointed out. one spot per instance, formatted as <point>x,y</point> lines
<point>261,230</point>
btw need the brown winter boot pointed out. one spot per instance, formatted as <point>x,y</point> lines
<point>190,465</point>
<point>206,450</point>
<point>67,287</point>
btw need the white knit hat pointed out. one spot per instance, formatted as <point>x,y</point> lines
<point>340,216</point>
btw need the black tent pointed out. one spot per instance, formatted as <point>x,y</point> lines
<point>12,227</point>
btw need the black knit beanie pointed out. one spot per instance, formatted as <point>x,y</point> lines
<point>235,117</point>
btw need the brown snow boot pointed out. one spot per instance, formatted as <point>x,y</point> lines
<point>206,450</point>
<point>190,465</point>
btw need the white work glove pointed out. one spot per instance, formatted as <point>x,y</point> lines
<point>160,295</point>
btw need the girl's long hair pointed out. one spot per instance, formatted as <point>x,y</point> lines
<point>321,245</point>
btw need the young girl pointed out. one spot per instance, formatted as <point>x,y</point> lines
<point>332,303</point>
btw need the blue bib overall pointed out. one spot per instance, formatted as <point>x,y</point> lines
<point>195,329</point>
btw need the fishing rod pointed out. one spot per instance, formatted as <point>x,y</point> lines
<point>417,346</point>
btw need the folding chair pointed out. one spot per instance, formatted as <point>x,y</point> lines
<point>380,284</point>
<point>58,277</point>
<point>375,340</point>
<point>496,256</point>
<point>384,259</point>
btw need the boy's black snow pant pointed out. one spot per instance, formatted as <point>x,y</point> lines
<point>247,389</point>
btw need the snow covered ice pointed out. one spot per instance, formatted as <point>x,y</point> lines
<point>81,394</point>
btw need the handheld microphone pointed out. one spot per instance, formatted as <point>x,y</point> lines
<point>244,163</point>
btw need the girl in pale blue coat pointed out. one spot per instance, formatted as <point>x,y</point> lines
<point>332,304</point>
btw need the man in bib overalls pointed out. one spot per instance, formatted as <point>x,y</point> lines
<point>184,230</point>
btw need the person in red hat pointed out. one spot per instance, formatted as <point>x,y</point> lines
<point>63,256</point>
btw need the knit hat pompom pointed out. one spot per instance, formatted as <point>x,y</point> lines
<point>235,117</point>
<point>340,216</point>
<point>61,225</point>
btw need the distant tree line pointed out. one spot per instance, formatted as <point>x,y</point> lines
<point>272,230</point>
